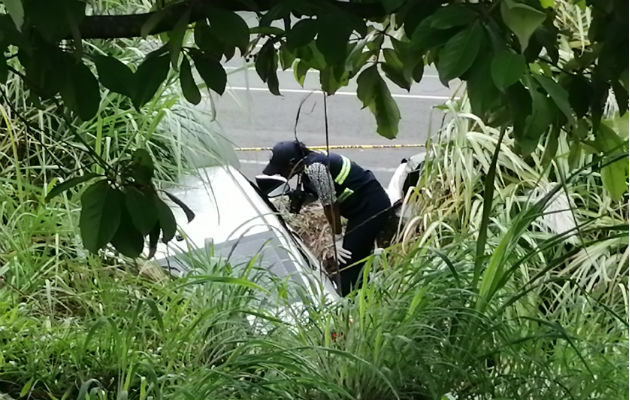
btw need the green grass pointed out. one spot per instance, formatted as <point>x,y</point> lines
<point>536,310</point>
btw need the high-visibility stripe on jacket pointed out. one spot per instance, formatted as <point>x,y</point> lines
<point>347,175</point>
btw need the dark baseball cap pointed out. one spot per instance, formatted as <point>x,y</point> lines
<point>282,155</point>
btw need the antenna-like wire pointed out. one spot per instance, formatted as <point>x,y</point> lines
<point>334,228</point>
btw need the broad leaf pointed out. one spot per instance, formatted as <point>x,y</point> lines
<point>208,41</point>
<point>507,68</point>
<point>460,52</point>
<point>54,19</point>
<point>166,220</point>
<point>302,33</point>
<point>69,184</point>
<point>127,239</point>
<point>483,94</point>
<point>557,93</point>
<point>230,28</point>
<point>451,16</point>
<point>286,58</point>
<point>614,175</point>
<point>190,215</point>
<point>176,37</point>
<point>141,208</point>
<point>536,124</point>
<point>266,65</point>
<point>395,70</point>
<point>16,11</point>
<point>522,19</point>
<point>187,82</point>
<point>148,78</point>
<point>154,235</point>
<point>114,75</point>
<point>299,72</point>
<point>142,167</point>
<point>386,111</point>
<point>80,91</point>
<point>366,84</point>
<point>374,93</point>
<point>100,215</point>
<point>332,39</point>
<point>392,5</point>
<point>579,95</point>
<point>210,71</point>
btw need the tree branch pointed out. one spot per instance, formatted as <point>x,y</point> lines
<point>130,25</point>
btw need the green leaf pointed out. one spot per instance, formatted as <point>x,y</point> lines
<point>80,91</point>
<point>483,94</point>
<point>176,37</point>
<point>522,19</point>
<point>148,78</point>
<point>142,166</point>
<point>230,28</point>
<point>299,72</point>
<point>536,124</point>
<point>374,93</point>
<point>547,3</point>
<point>460,52</point>
<point>366,84</point>
<point>395,70</point>
<point>286,57</point>
<point>331,81</point>
<point>114,75</point>
<point>266,30</point>
<point>4,72</point>
<point>54,19</point>
<point>207,40</point>
<point>127,239</point>
<point>154,235</point>
<point>614,175</point>
<point>392,5</point>
<point>302,33</point>
<point>386,111</point>
<point>69,184</point>
<point>507,68</point>
<point>210,71</point>
<point>332,39</point>
<point>190,215</point>
<point>557,93</point>
<point>101,207</point>
<point>141,208</point>
<point>166,220</point>
<point>579,95</point>
<point>16,11</point>
<point>187,82</point>
<point>266,65</point>
<point>451,16</point>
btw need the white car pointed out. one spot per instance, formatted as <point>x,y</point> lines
<point>234,222</point>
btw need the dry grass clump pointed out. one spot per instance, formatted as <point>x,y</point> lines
<point>310,225</point>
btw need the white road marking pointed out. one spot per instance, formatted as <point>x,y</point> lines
<point>395,95</point>
<point>374,169</point>
<point>432,76</point>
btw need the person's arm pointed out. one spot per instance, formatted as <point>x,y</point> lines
<point>323,183</point>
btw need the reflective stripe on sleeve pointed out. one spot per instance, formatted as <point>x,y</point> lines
<point>345,170</point>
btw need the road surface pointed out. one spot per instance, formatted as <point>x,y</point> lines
<point>250,116</point>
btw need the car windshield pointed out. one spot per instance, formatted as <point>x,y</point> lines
<point>267,251</point>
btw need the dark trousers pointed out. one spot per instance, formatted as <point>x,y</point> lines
<point>366,216</point>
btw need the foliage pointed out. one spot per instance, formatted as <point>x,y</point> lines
<point>538,82</point>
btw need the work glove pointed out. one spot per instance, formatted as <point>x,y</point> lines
<point>343,255</point>
<point>296,201</point>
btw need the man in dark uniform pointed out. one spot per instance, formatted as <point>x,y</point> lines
<point>344,189</point>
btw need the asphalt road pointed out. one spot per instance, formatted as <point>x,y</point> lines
<point>250,116</point>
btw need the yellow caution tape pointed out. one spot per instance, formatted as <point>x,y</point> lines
<point>343,146</point>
